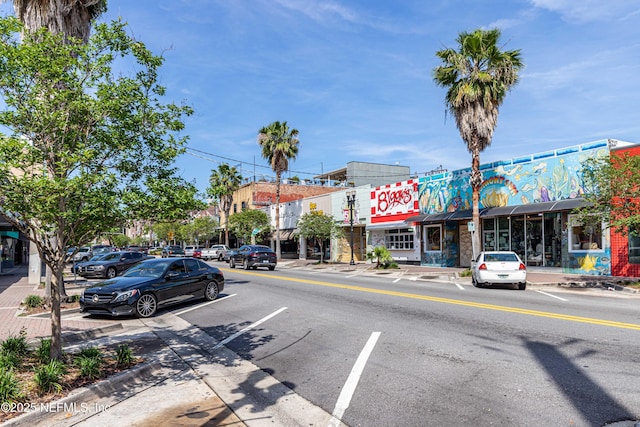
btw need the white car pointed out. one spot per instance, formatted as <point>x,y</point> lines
<point>498,268</point>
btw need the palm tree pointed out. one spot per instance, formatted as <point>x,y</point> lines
<point>70,17</point>
<point>279,145</point>
<point>222,184</point>
<point>477,77</point>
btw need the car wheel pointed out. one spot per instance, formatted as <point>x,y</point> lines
<point>475,282</point>
<point>211,291</point>
<point>273,267</point>
<point>522,286</point>
<point>111,273</point>
<point>219,257</point>
<point>245,264</point>
<point>231,263</point>
<point>147,305</point>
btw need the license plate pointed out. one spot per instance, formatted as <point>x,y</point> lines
<point>265,260</point>
<point>503,276</point>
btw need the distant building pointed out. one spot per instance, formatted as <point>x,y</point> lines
<point>357,174</point>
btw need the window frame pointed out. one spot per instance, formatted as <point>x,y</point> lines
<point>578,246</point>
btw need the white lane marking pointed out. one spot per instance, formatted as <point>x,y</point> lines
<point>352,381</point>
<point>460,286</point>
<point>351,275</point>
<point>413,279</point>
<point>552,296</point>
<point>397,280</point>
<point>251,326</point>
<point>203,305</point>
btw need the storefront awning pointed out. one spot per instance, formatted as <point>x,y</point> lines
<point>387,225</point>
<point>286,234</point>
<point>554,206</point>
<point>12,234</point>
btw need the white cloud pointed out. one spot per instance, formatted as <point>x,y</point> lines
<point>590,10</point>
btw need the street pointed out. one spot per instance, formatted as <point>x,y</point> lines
<point>378,352</point>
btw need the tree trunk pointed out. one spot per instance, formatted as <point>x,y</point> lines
<point>56,321</point>
<point>476,182</point>
<point>278,251</point>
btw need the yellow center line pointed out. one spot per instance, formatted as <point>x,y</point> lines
<point>547,314</point>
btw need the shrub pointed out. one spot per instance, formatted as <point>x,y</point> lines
<point>9,360</point>
<point>34,301</point>
<point>89,366</point>
<point>43,351</point>
<point>465,273</point>
<point>381,254</point>
<point>124,355</point>
<point>10,389</point>
<point>90,352</point>
<point>73,298</point>
<point>17,345</point>
<point>48,377</point>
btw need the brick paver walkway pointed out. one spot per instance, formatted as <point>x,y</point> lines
<point>14,288</point>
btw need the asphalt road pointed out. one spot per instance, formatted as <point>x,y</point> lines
<point>380,352</point>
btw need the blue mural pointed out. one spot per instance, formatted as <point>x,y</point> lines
<point>542,177</point>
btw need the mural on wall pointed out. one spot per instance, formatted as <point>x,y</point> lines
<point>543,177</point>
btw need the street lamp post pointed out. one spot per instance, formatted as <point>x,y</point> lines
<point>351,200</point>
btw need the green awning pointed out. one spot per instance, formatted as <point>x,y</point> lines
<point>12,234</point>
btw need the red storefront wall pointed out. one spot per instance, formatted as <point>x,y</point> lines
<point>620,265</point>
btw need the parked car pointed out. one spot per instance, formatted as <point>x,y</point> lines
<point>111,264</point>
<point>230,252</point>
<point>77,266</point>
<point>215,252</point>
<point>84,254</point>
<point>254,256</point>
<point>188,250</point>
<point>172,251</point>
<point>151,284</point>
<point>197,253</point>
<point>137,248</point>
<point>498,268</point>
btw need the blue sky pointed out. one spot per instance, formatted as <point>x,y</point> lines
<point>355,77</point>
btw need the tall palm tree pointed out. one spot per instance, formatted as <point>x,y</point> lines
<point>222,184</point>
<point>279,145</point>
<point>70,17</point>
<point>477,77</point>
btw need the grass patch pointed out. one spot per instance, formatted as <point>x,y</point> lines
<point>34,301</point>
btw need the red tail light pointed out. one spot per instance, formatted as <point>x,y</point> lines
<point>522,267</point>
<point>483,266</point>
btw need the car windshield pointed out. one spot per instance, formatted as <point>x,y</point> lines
<point>97,257</point>
<point>500,257</point>
<point>153,269</point>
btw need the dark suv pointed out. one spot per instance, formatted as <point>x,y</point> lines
<point>172,251</point>
<point>110,264</point>
<point>253,256</point>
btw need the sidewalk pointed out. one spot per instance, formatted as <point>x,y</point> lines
<point>184,378</point>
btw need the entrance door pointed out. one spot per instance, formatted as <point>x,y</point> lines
<point>534,243</point>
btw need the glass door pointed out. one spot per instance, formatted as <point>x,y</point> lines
<point>534,243</point>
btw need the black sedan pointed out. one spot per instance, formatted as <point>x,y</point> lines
<point>145,287</point>
<point>110,264</point>
<point>254,256</point>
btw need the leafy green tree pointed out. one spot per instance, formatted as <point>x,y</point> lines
<point>222,184</point>
<point>119,240</point>
<point>318,227</point>
<point>244,223</point>
<point>86,148</point>
<point>477,76</point>
<point>279,145</point>
<point>612,190</point>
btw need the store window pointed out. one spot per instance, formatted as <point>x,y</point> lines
<point>433,238</point>
<point>585,237</point>
<point>399,239</point>
<point>634,247</point>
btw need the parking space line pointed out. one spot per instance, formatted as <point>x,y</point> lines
<point>203,305</point>
<point>352,381</point>
<point>248,328</point>
<point>552,296</point>
<point>459,286</point>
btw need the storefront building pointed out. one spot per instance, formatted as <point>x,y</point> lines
<point>391,205</point>
<point>525,206</point>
